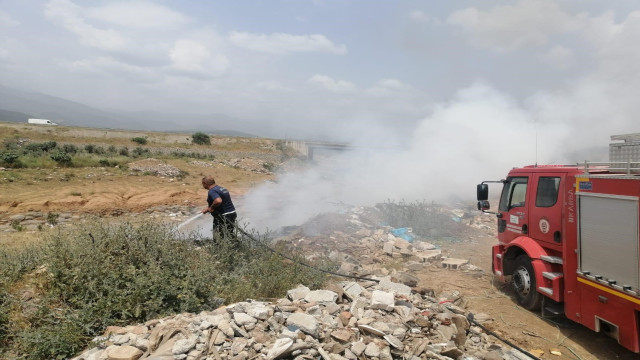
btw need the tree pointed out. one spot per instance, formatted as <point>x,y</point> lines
<point>201,139</point>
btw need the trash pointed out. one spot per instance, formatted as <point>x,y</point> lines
<point>404,233</point>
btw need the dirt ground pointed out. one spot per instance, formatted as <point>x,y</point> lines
<point>524,328</point>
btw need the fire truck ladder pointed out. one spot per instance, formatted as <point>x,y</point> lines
<point>621,167</point>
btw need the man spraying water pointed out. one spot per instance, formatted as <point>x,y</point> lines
<point>221,208</point>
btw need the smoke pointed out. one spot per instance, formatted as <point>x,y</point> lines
<point>478,134</point>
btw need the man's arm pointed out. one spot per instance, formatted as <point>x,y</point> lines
<point>216,202</point>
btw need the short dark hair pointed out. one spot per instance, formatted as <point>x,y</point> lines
<point>208,181</point>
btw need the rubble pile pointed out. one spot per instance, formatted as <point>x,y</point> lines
<point>350,320</point>
<point>155,167</point>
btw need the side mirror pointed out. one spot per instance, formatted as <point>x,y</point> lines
<point>483,205</point>
<point>483,192</point>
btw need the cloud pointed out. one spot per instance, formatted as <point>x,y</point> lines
<point>285,43</point>
<point>192,56</point>
<point>558,57</point>
<point>528,23</point>
<point>69,16</point>
<point>327,83</point>
<point>420,17</point>
<point>7,20</point>
<point>138,15</point>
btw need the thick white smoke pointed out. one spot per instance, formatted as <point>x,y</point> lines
<point>479,134</point>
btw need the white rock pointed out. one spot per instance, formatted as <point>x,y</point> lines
<point>298,293</point>
<point>279,348</point>
<point>183,346</point>
<point>242,319</point>
<point>259,311</point>
<point>306,323</point>
<point>382,300</point>
<point>321,296</point>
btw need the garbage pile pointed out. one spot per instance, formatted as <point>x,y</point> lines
<point>348,320</point>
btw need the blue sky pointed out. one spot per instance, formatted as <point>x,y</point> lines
<point>333,68</point>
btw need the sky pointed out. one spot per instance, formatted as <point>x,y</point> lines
<point>478,85</point>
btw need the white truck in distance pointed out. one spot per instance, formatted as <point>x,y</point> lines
<point>41,122</point>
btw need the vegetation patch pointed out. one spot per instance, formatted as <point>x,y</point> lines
<point>99,274</point>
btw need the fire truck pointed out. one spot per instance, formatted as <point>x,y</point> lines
<point>568,237</point>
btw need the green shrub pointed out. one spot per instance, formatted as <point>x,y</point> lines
<point>36,148</point>
<point>90,148</point>
<point>139,152</point>
<point>62,158</point>
<point>112,149</point>
<point>9,158</point>
<point>99,274</point>
<point>69,148</point>
<point>139,140</point>
<point>124,151</point>
<point>201,139</point>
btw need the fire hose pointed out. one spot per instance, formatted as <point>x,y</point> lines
<point>256,241</point>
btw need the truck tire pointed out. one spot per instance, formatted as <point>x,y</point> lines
<point>524,285</point>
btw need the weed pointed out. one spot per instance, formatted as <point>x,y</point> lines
<point>52,218</point>
<point>15,225</point>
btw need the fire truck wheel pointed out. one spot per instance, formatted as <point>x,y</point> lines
<point>523,281</point>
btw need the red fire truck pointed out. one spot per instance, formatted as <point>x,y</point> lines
<point>569,238</point>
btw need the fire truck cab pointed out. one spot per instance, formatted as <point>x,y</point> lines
<point>568,237</point>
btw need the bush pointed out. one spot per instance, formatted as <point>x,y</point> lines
<point>201,139</point>
<point>100,274</point>
<point>62,158</point>
<point>112,149</point>
<point>124,151</point>
<point>139,152</point>
<point>139,140</point>
<point>9,158</point>
<point>90,148</point>
<point>69,148</point>
<point>41,147</point>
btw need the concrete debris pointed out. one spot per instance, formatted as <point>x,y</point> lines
<point>365,320</point>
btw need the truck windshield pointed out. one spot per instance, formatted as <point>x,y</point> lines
<point>513,193</point>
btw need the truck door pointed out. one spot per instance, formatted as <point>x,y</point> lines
<point>513,214</point>
<point>545,212</point>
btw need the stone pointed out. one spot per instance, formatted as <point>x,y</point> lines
<point>358,348</point>
<point>382,300</point>
<point>372,350</point>
<point>343,335</point>
<point>388,248</point>
<point>405,278</point>
<point>238,345</point>
<point>183,346</point>
<point>321,296</point>
<point>452,352</point>
<point>398,289</point>
<point>298,293</point>
<point>353,290</point>
<point>306,323</point>
<point>259,311</point>
<point>123,353</point>
<point>243,319</point>
<point>280,347</point>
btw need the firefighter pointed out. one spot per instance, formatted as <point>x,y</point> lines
<point>221,208</point>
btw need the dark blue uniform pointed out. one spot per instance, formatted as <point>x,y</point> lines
<point>224,215</point>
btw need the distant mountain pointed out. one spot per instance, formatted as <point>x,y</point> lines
<point>14,116</point>
<point>15,104</point>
